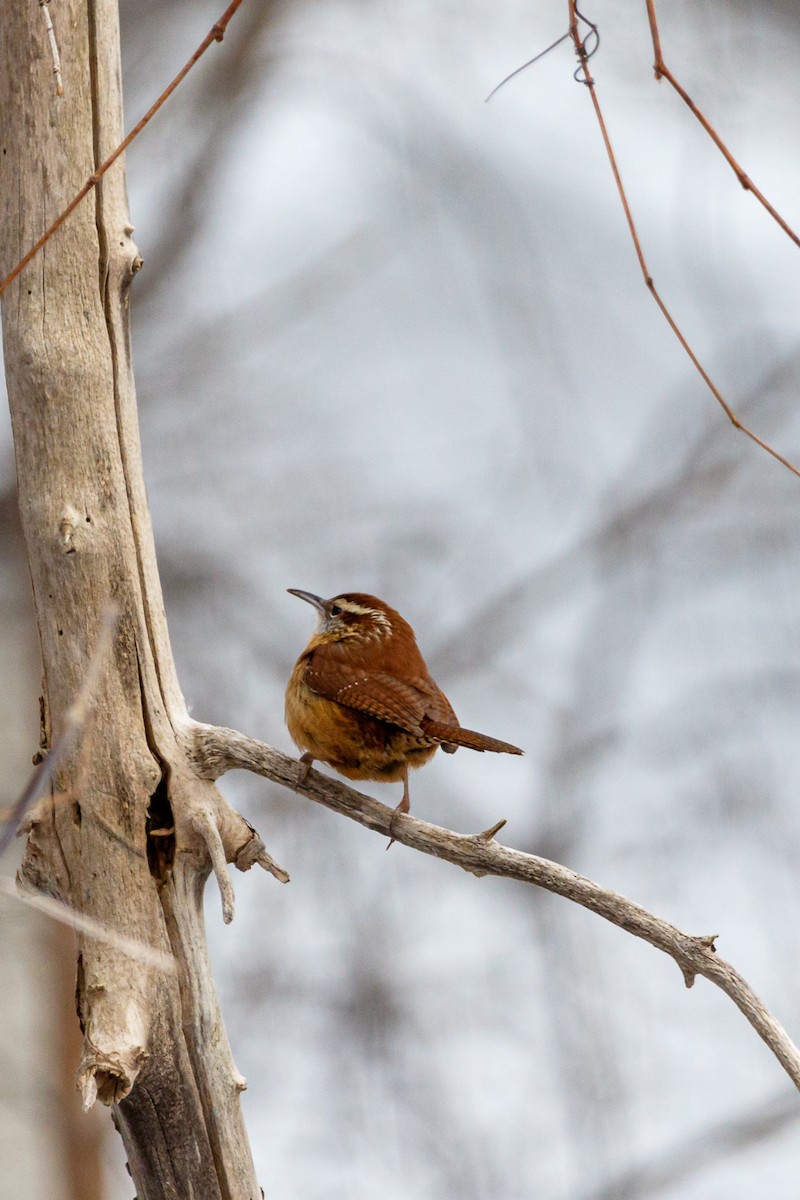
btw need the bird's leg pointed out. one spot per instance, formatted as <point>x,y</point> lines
<point>405,804</point>
<point>304,765</point>
<point>402,807</point>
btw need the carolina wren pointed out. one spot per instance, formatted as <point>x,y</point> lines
<point>360,697</point>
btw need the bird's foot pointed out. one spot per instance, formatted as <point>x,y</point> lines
<point>304,765</point>
<point>402,807</point>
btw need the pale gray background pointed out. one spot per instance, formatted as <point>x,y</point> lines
<point>390,338</point>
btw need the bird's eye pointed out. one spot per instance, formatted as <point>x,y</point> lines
<point>335,610</point>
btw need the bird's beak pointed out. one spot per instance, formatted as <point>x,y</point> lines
<point>317,601</point>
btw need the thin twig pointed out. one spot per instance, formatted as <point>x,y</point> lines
<point>87,925</point>
<point>51,34</point>
<point>586,77</point>
<point>525,65</point>
<point>662,71</point>
<point>215,750</point>
<point>215,34</point>
<point>74,720</point>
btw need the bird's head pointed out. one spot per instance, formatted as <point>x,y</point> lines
<point>352,615</point>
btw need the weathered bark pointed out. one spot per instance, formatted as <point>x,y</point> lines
<point>129,836</point>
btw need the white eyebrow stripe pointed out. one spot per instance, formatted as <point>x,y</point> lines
<point>362,610</point>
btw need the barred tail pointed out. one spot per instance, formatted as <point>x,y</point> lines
<point>454,735</point>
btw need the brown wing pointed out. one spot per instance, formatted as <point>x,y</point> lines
<point>435,704</point>
<point>372,692</point>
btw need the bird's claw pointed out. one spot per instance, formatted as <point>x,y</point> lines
<point>303,767</point>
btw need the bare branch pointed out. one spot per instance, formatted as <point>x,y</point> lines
<point>215,750</point>
<point>51,35</point>
<point>525,65</point>
<point>662,71</point>
<point>586,77</point>
<point>215,34</point>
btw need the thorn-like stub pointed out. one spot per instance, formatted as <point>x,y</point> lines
<point>704,943</point>
<point>478,872</point>
<point>489,834</point>
<point>254,853</point>
<point>267,862</point>
<point>70,531</point>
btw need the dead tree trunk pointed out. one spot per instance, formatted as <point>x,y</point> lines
<point>131,833</point>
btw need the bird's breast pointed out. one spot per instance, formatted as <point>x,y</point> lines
<point>354,743</point>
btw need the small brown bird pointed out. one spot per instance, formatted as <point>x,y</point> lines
<point>360,697</point>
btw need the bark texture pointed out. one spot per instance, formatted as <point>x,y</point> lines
<point>130,833</point>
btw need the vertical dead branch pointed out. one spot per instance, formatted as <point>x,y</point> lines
<point>129,850</point>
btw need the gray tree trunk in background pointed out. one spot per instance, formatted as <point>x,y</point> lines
<point>129,834</point>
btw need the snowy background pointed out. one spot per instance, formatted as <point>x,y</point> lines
<point>390,338</point>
